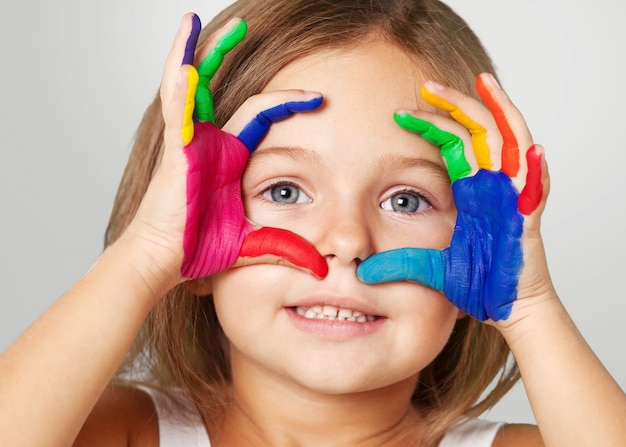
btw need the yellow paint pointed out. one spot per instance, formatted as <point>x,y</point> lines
<point>192,84</point>
<point>477,131</point>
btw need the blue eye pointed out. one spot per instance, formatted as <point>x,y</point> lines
<point>286,193</point>
<point>406,202</point>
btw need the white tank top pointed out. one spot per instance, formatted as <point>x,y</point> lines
<point>189,431</point>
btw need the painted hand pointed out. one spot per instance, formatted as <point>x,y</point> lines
<point>217,235</point>
<point>480,270</point>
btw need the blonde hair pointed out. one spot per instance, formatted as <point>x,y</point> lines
<point>181,344</point>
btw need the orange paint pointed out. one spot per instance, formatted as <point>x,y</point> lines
<point>477,131</point>
<point>510,149</point>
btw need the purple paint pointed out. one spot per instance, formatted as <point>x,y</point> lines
<point>192,40</point>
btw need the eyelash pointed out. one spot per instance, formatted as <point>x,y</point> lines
<point>283,183</point>
<point>421,198</point>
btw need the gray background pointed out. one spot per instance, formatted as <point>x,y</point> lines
<point>76,77</point>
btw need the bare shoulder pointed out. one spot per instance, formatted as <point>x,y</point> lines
<point>518,435</point>
<point>123,416</point>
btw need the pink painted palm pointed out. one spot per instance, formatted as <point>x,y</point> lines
<point>217,234</point>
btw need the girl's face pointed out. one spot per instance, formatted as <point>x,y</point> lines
<point>353,183</point>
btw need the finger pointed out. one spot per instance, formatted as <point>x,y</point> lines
<point>517,138</point>
<point>178,120</point>
<point>282,247</point>
<point>533,193</point>
<point>271,106</point>
<point>232,35</point>
<point>451,146</point>
<point>420,265</point>
<point>256,129</point>
<point>184,38</point>
<point>471,114</point>
<point>187,127</point>
<point>192,41</point>
<point>510,148</point>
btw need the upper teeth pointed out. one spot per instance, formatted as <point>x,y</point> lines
<point>334,313</point>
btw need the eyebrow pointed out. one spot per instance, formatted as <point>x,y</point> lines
<point>389,162</point>
<point>293,152</point>
<point>396,162</point>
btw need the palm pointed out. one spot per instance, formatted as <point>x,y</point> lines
<point>485,254</point>
<point>217,232</point>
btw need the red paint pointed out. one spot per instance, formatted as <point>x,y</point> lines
<point>530,197</point>
<point>286,245</point>
<point>510,149</point>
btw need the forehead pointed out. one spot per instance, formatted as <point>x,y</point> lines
<point>382,69</point>
<point>362,86</point>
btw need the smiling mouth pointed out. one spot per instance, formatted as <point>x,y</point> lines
<point>334,313</point>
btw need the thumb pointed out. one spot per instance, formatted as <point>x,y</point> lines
<point>424,266</point>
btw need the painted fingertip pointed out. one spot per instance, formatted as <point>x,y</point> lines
<point>403,112</point>
<point>237,29</point>
<point>306,105</point>
<point>432,97</point>
<point>407,121</point>
<point>434,86</point>
<point>192,40</point>
<point>489,79</point>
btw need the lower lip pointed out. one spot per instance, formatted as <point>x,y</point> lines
<point>334,329</point>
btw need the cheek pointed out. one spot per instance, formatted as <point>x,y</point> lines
<point>247,299</point>
<point>427,315</point>
<point>429,231</point>
<point>233,303</point>
<point>422,321</point>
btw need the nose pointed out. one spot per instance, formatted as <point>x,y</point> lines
<point>345,235</point>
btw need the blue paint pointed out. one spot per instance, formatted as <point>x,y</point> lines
<point>479,271</point>
<point>192,40</point>
<point>421,265</point>
<point>256,129</point>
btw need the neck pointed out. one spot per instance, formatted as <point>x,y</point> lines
<point>268,410</point>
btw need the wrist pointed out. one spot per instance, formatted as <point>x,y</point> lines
<point>154,268</point>
<point>531,318</point>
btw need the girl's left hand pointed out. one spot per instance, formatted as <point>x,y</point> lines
<point>496,255</point>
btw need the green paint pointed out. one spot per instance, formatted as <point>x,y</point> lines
<point>452,148</point>
<point>209,66</point>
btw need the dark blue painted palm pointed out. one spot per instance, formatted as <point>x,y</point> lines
<point>479,271</point>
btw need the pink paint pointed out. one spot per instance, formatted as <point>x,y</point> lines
<point>217,232</point>
<point>216,225</point>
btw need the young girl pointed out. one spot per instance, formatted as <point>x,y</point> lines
<point>388,259</point>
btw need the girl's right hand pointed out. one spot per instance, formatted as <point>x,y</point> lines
<point>192,216</point>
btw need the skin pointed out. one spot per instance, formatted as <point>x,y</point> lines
<point>214,241</point>
<point>480,269</point>
<point>342,213</point>
<point>344,175</point>
<point>48,401</point>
